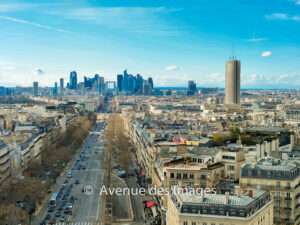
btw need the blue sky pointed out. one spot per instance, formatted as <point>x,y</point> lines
<point>172,41</point>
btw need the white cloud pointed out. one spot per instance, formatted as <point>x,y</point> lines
<point>297,2</point>
<point>38,71</point>
<point>283,16</point>
<point>172,68</point>
<point>266,54</point>
<point>257,39</point>
<point>35,24</point>
<point>149,20</point>
<point>216,77</point>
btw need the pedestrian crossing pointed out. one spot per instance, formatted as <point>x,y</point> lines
<point>80,223</point>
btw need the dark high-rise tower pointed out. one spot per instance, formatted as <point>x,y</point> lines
<point>73,80</point>
<point>35,88</point>
<point>120,82</point>
<point>61,82</point>
<point>233,80</point>
<point>150,81</point>
<point>192,89</point>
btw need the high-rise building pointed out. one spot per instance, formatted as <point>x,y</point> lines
<point>150,81</point>
<point>120,82</point>
<point>101,85</point>
<point>233,79</point>
<point>35,88</point>
<point>61,81</point>
<point>73,80</point>
<point>55,89</point>
<point>146,88</point>
<point>191,88</point>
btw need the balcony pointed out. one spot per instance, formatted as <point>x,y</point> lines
<point>277,207</point>
<point>277,218</point>
<point>287,208</point>
<point>297,206</point>
<point>277,197</point>
<point>288,187</point>
<point>288,198</point>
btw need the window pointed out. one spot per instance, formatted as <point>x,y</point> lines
<point>203,176</point>
<point>185,223</point>
<point>268,184</point>
<point>191,176</point>
<point>165,174</point>
<point>185,176</point>
<point>249,182</point>
<point>288,184</point>
<point>172,175</point>
<point>230,167</point>
<point>259,173</point>
<point>278,194</point>
<point>278,184</point>
<point>178,176</point>
<point>193,223</point>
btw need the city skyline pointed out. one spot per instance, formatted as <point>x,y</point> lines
<point>172,43</point>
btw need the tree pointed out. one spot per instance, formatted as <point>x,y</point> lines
<point>219,139</point>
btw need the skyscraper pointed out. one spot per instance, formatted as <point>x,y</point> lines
<point>35,88</point>
<point>61,85</point>
<point>73,80</point>
<point>233,80</point>
<point>55,89</point>
<point>191,87</point>
<point>150,81</point>
<point>101,85</point>
<point>120,82</point>
<point>147,88</point>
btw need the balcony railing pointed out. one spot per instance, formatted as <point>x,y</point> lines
<point>287,208</point>
<point>288,198</point>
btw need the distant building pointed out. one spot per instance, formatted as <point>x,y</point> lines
<point>101,85</point>
<point>55,89</point>
<point>73,80</point>
<point>147,88</point>
<point>150,81</point>
<point>209,91</point>
<point>120,82</point>
<point>61,81</point>
<point>35,88</point>
<point>191,88</point>
<point>233,80</point>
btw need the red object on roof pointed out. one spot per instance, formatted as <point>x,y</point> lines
<point>143,173</point>
<point>150,204</point>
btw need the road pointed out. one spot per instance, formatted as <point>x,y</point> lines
<point>88,207</point>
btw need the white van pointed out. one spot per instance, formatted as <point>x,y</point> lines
<point>69,174</point>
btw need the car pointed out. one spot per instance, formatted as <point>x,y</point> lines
<point>62,218</point>
<point>57,214</point>
<point>70,205</point>
<point>60,207</point>
<point>71,185</point>
<point>64,197</point>
<point>78,158</point>
<point>63,202</point>
<point>51,208</point>
<point>63,186</point>
<point>77,181</point>
<point>67,209</point>
<point>66,181</point>
<point>72,197</point>
<point>69,174</point>
<point>82,189</point>
<point>52,221</point>
<point>43,222</point>
<point>47,217</point>
<point>87,156</point>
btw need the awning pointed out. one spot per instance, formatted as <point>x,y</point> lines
<point>150,204</point>
<point>154,211</point>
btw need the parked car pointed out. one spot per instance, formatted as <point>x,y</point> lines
<point>57,214</point>
<point>52,221</point>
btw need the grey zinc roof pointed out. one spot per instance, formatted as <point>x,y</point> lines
<point>220,199</point>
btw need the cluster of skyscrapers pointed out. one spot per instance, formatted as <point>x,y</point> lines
<point>129,84</point>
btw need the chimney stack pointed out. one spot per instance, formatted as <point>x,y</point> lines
<point>250,193</point>
<point>227,198</point>
<point>237,190</point>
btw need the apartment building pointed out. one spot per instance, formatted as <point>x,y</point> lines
<point>255,207</point>
<point>4,162</point>
<point>282,179</point>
